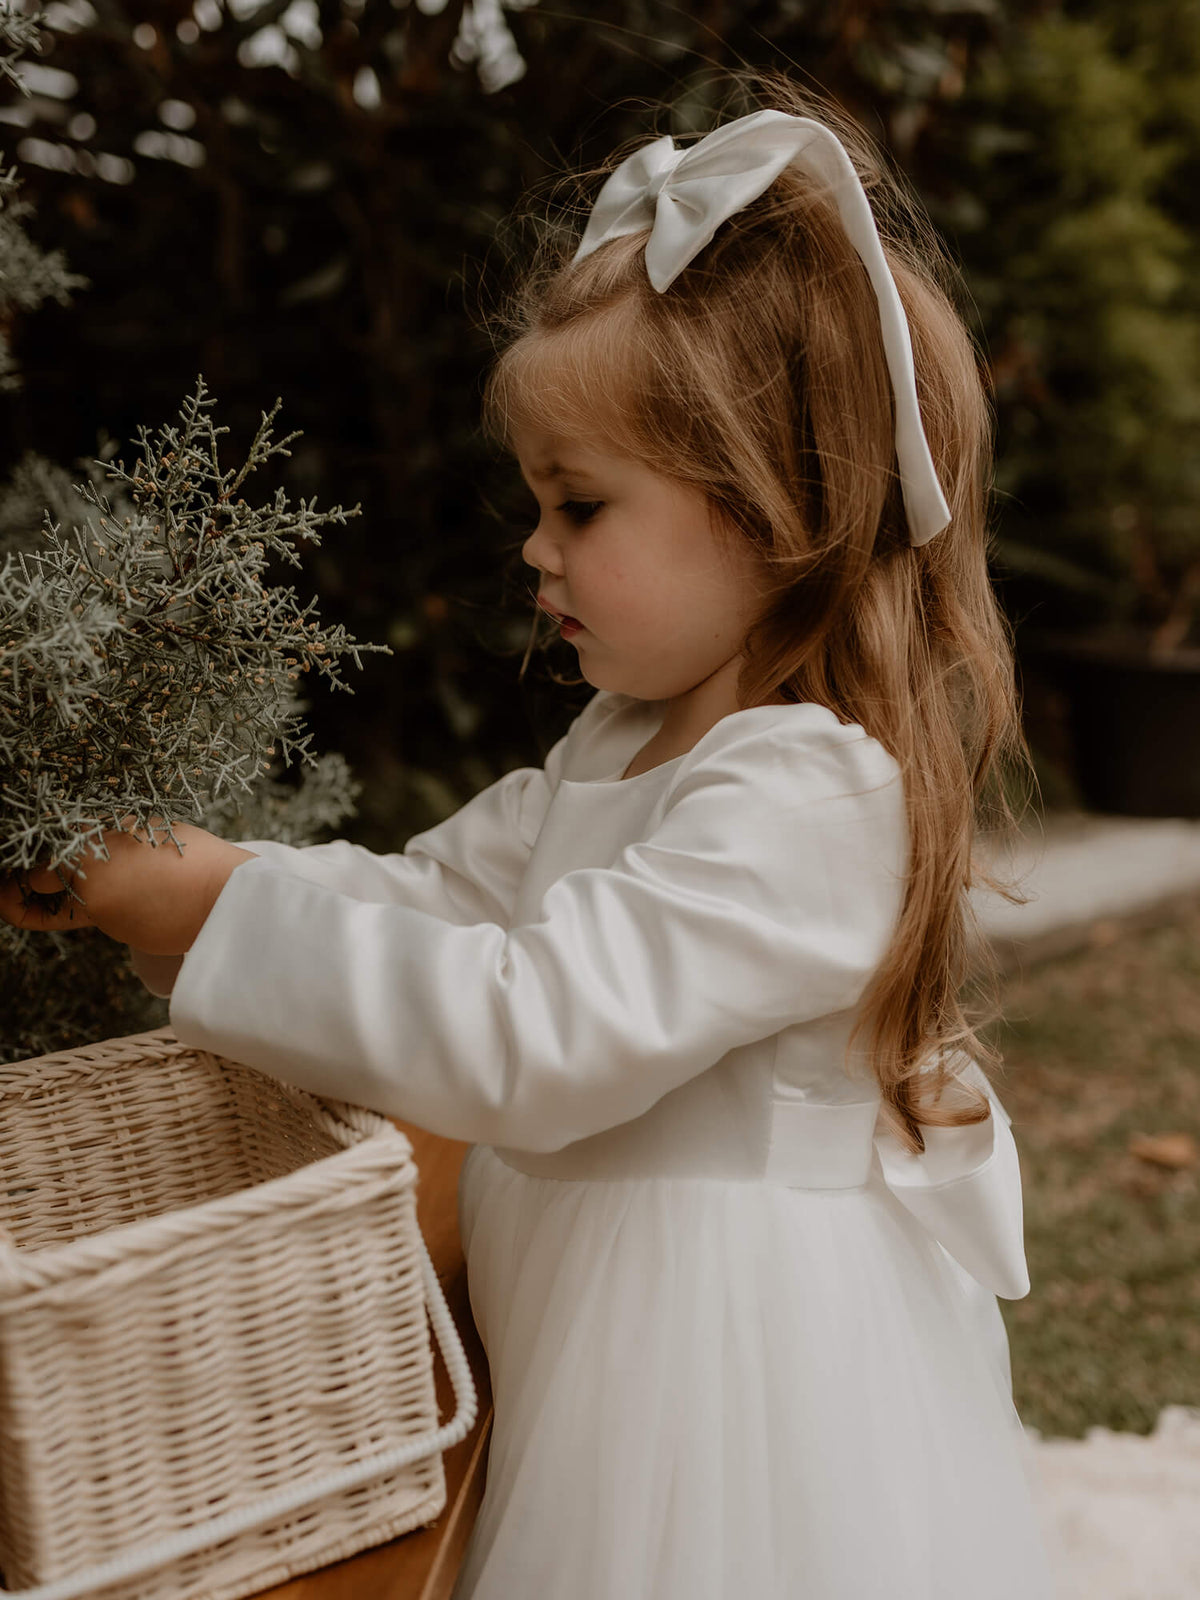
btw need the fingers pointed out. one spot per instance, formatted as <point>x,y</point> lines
<point>43,899</point>
<point>41,912</point>
<point>46,880</point>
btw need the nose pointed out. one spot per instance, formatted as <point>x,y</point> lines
<point>540,551</point>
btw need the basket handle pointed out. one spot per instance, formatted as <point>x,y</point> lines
<point>174,1546</point>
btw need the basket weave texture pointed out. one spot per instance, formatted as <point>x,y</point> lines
<point>210,1289</point>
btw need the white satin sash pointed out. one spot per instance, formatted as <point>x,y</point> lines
<point>964,1190</point>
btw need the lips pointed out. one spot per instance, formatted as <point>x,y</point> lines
<point>559,616</point>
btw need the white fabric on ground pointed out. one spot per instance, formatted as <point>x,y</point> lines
<point>1124,1510</point>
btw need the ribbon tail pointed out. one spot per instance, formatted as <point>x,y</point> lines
<point>965,1191</point>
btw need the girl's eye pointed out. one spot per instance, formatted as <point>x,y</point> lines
<point>580,511</point>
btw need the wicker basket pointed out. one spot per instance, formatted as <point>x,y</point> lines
<point>215,1369</point>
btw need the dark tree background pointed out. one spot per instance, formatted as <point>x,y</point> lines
<point>306,198</point>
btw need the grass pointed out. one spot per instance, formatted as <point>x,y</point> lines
<point>1099,1047</point>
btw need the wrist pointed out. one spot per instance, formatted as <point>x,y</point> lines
<point>222,868</point>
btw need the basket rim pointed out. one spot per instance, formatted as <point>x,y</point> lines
<point>163,1041</point>
<point>373,1148</point>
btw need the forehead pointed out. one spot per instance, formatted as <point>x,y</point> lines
<point>576,385</point>
<point>546,456</point>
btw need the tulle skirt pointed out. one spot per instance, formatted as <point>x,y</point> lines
<point>708,1390</point>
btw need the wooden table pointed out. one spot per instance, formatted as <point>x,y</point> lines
<point>424,1565</point>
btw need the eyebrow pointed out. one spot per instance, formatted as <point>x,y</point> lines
<point>556,469</point>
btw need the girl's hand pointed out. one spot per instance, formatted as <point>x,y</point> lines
<point>151,897</point>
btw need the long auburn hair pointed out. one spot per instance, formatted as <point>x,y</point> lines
<point>759,377</point>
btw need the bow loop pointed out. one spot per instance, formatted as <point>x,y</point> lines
<point>965,1191</point>
<point>624,205</point>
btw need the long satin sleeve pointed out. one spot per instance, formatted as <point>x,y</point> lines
<point>765,896</point>
<point>465,869</point>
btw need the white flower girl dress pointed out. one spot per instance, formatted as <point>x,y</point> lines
<point>742,1346</point>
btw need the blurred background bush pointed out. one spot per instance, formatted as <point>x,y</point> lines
<point>306,199</point>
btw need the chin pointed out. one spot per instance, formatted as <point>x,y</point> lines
<point>612,681</point>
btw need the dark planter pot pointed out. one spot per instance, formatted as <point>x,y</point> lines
<point>1133,723</point>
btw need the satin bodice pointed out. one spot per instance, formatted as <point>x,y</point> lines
<point>609,978</point>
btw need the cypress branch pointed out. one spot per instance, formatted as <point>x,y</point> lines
<point>150,674</point>
<point>147,670</point>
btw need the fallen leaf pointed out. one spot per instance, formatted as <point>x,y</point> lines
<point>1165,1149</point>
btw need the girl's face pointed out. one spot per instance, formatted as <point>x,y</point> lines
<point>636,559</point>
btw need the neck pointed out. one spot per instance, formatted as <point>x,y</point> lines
<point>689,716</point>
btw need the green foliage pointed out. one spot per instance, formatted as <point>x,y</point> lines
<point>146,670</point>
<point>290,813</point>
<point>68,989</point>
<point>63,990</point>
<point>149,674</point>
<point>28,275</point>
<point>1080,146</point>
<point>39,492</point>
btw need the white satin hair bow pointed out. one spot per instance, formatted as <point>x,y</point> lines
<point>683,197</point>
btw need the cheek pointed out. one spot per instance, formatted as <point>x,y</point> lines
<point>611,576</point>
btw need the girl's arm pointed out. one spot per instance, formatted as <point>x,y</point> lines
<point>466,869</point>
<point>765,897</point>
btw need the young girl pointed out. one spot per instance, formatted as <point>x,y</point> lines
<point>738,1206</point>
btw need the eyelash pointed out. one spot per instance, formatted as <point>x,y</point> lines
<point>579,511</point>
